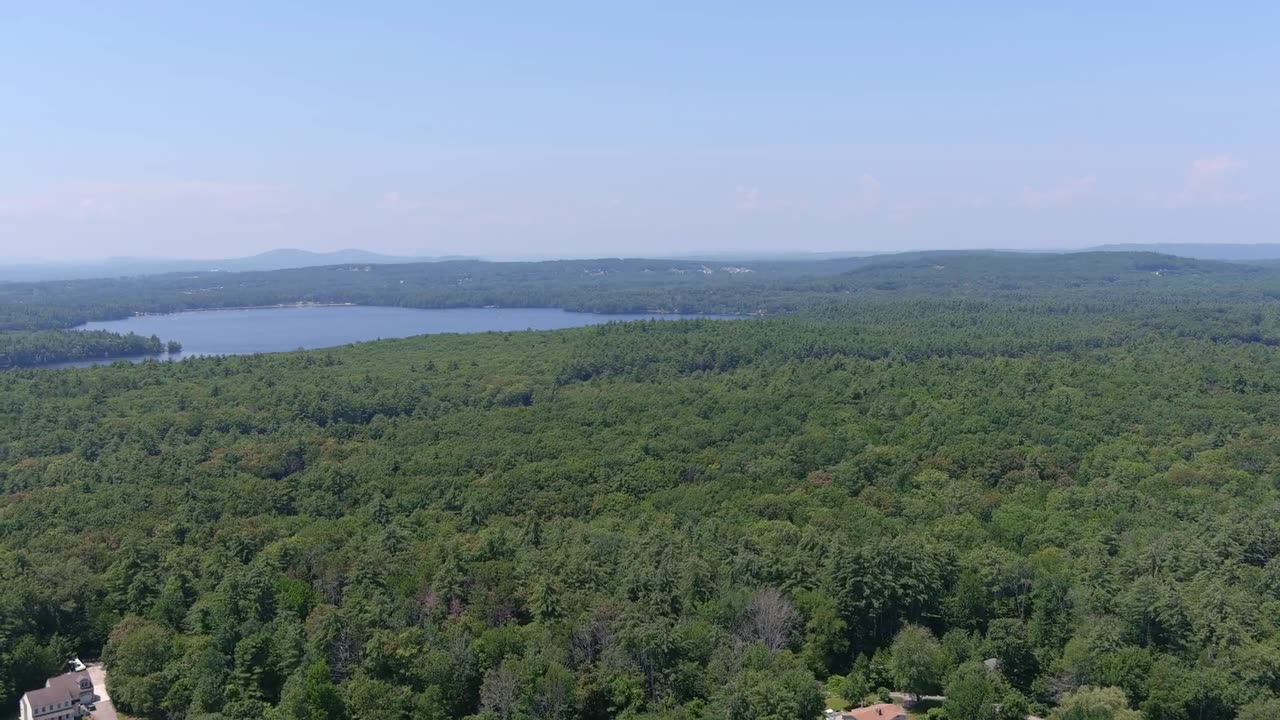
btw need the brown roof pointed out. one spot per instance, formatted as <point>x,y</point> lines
<point>883,711</point>
<point>58,689</point>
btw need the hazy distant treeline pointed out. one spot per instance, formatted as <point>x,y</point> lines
<point>634,286</point>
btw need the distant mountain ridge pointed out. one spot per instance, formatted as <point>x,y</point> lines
<point>292,258</point>
<point>1230,252</point>
<point>282,259</point>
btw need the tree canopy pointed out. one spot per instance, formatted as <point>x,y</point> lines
<point>688,519</point>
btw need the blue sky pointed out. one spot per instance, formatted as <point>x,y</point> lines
<point>216,129</point>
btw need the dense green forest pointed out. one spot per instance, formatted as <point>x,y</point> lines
<point>1067,466</point>
<point>19,349</point>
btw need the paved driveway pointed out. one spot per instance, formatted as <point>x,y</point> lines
<point>105,711</point>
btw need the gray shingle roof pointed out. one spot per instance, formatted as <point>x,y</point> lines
<point>59,689</point>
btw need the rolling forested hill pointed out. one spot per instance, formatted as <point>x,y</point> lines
<point>1065,465</point>
<point>625,286</point>
<point>605,285</point>
<point>44,310</point>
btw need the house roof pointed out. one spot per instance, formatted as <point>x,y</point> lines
<point>58,689</point>
<point>883,711</point>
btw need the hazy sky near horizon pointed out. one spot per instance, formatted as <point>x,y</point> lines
<point>589,128</point>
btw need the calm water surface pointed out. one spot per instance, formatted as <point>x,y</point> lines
<point>258,330</point>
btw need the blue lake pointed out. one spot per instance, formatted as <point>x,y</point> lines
<point>259,330</point>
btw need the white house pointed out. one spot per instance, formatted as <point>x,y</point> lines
<point>62,698</point>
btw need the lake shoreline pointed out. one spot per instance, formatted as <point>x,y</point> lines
<point>312,326</point>
<point>281,306</point>
<point>285,306</point>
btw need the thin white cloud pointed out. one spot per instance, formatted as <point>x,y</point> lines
<point>970,201</point>
<point>409,211</point>
<point>1206,183</point>
<point>1057,197</point>
<point>748,198</point>
<point>1212,170</point>
<point>110,200</point>
<point>394,200</point>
